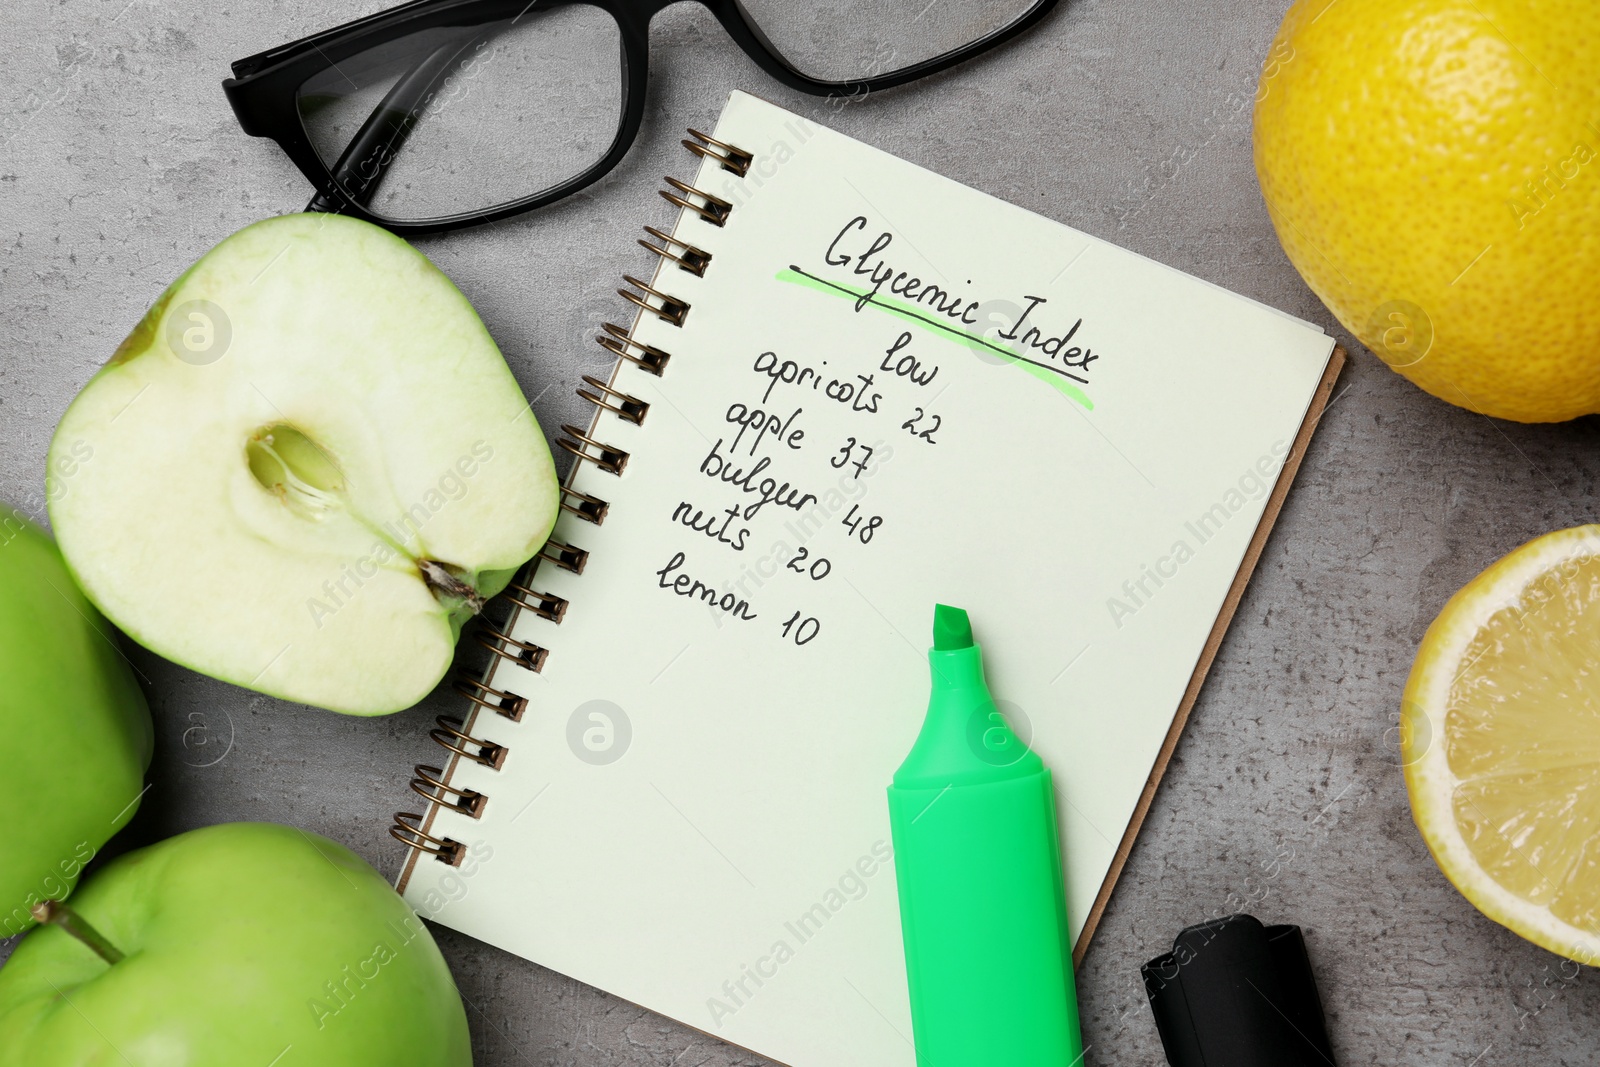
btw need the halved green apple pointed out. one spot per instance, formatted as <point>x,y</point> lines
<point>310,465</point>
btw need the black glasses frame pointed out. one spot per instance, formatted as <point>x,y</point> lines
<point>264,87</point>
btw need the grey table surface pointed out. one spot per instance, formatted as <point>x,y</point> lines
<point>1129,119</point>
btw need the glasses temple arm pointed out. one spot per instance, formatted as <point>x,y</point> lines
<point>366,159</point>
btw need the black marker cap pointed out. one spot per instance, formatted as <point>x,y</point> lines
<point>1235,993</point>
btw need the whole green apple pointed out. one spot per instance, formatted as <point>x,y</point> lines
<point>240,945</point>
<point>75,734</point>
<point>311,466</point>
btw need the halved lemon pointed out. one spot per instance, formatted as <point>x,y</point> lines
<point>1500,733</point>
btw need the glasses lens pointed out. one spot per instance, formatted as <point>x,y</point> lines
<point>464,119</point>
<point>854,40</point>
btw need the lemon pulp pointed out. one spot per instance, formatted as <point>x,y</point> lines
<point>1500,730</point>
<point>1522,733</point>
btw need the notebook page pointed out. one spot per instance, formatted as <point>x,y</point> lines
<point>1070,441</point>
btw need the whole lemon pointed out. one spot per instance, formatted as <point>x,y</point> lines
<point>1432,168</point>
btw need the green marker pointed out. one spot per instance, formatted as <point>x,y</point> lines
<point>978,862</point>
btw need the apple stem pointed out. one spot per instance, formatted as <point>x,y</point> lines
<point>441,581</point>
<point>55,913</point>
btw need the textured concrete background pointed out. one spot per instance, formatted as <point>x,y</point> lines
<point>1129,119</point>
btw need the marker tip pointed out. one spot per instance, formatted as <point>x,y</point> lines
<point>951,628</point>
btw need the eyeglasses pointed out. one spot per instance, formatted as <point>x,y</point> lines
<point>448,113</point>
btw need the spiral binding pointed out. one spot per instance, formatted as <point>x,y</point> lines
<point>566,557</point>
<point>586,507</point>
<point>427,784</point>
<point>616,341</point>
<point>611,460</point>
<point>407,830</point>
<point>451,734</point>
<point>545,605</point>
<point>731,158</point>
<point>498,701</point>
<point>649,298</point>
<point>713,209</point>
<point>686,256</point>
<point>456,736</point>
<point>524,654</point>
<point>628,408</point>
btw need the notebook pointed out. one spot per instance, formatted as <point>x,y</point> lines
<point>854,389</point>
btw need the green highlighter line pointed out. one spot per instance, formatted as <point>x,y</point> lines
<point>978,863</point>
